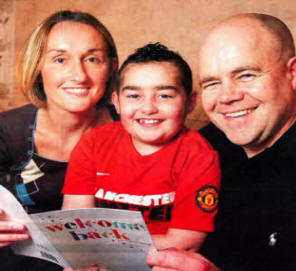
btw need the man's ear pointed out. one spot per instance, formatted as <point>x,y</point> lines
<point>291,66</point>
<point>191,102</point>
<point>115,101</point>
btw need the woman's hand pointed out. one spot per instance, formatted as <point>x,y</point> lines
<point>11,231</point>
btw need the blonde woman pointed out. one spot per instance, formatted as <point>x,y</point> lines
<point>65,70</point>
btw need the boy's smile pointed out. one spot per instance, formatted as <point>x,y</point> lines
<point>151,104</point>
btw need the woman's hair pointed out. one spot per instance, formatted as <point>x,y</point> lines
<point>27,70</point>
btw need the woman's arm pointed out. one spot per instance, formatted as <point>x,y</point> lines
<point>182,239</point>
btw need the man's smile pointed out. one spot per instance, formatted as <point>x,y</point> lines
<point>239,113</point>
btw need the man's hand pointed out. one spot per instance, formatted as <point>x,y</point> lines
<point>178,260</point>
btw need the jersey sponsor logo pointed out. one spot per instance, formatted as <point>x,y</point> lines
<point>146,200</point>
<point>103,174</point>
<point>207,199</point>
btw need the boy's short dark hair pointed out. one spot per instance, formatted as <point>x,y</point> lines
<point>156,52</point>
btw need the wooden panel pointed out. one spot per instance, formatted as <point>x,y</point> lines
<point>181,25</point>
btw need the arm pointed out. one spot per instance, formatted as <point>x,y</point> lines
<point>178,260</point>
<point>195,203</point>
<point>11,231</point>
<point>79,182</point>
<point>183,239</point>
<point>78,201</point>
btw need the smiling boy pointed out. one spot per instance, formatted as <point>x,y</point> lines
<point>149,161</point>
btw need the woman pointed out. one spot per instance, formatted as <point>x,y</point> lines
<point>64,69</point>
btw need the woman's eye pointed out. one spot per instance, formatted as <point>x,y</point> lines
<point>59,60</point>
<point>93,60</point>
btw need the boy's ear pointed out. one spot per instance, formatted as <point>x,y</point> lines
<point>191,102</point>
<point>291,66</point>
<point>115,101</point>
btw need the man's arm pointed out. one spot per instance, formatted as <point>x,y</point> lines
<point>178,260</point>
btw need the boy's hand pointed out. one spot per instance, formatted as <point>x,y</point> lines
<point>11,231</point>
<point>178,260</point>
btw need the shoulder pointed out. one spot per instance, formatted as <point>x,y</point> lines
<point>195,156</point>
<point>16,127</point>
<point>19,114</point>
<point>104,133</point>
<point>215,136</point>
<point>100,140</point>
<point>219,141</point>
<point>230,155</point>
<point>192,138</point>
<point>26,109</point>
<point>15,120</point>
<point>108,128</point>
<point>191,148</point>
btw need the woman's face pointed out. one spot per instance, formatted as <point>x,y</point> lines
<point>75,67</point>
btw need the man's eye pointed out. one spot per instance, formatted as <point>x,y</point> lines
<point>246,76</point>
<point>209,85</point>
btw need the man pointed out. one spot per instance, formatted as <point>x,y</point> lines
<point>247,70</point>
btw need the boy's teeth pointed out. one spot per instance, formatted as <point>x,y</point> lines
<point>239,113</point>
<point>149,121</point>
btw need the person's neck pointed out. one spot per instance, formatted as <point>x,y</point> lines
<point>56,133</point>
<point>254,150</point>
<point>67,122</point>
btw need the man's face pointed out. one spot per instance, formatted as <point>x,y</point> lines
<point>246,90</point>
<point>151,104</point>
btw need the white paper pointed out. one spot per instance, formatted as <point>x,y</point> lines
<point>115,239</point>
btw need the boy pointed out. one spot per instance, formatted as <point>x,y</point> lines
<point>149,161</point>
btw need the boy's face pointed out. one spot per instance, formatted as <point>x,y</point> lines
<point>151,103</point>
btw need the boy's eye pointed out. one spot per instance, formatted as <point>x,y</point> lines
<point>133,96</point>
<point>165,96</point>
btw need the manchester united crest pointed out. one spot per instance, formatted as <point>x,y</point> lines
<point>207,198</point>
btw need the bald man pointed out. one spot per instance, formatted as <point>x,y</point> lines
<point>247,70</point>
